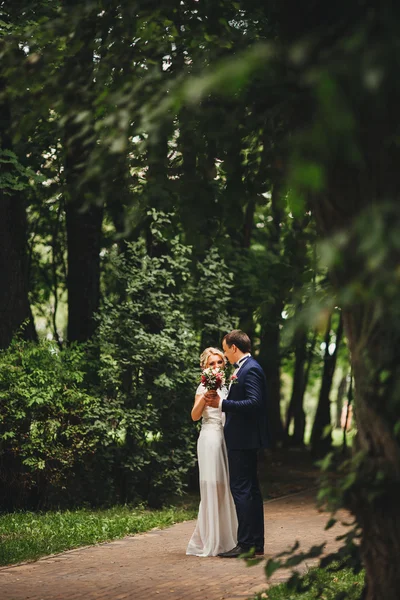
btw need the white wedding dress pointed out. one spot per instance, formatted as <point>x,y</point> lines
<point>216,527</point>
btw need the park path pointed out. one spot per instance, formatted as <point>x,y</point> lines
<point>154,565</point>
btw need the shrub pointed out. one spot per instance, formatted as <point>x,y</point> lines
<point>111,423</point>
<point>148,361</point>
<point>46,419</point>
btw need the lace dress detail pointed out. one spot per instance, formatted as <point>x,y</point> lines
<point>216,527</point>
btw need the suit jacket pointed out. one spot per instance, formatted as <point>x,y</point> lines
<point>246,409</point>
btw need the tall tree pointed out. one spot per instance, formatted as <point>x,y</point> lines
<point>84,208</point>
<point>295,410</point>
<point>320,440</point>
<point>270,351</point>
<point>339,67</point>
<point>14,302</point>
<point>354,193</point>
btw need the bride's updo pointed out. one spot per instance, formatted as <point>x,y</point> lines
<point>205,355</point>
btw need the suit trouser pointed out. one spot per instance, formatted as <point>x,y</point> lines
<point>247,497</point>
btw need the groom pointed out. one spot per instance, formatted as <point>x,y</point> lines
<point>245,432</point>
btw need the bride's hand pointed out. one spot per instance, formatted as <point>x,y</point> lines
<point>212,399</point>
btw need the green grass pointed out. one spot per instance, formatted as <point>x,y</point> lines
<point>28,535</point>
<point>323,584</point>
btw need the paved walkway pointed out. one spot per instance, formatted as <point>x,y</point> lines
<point>154,565</point>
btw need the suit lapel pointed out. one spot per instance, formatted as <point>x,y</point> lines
<point>240,373</point>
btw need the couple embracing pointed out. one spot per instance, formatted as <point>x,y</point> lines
<point>234,427</point>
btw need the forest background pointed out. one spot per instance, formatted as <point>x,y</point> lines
<point>172,171</point>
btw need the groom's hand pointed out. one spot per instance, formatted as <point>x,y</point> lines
<point>212,399</point>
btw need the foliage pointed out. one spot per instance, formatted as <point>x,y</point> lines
<point>145,111</point>
<point>332,584</point>
<point>340,71</point>
<point>46,419</point>
<point>15,176</point>
<point>27,536</point>
<point>111,422</point>
<point>212,297</point>
<point>148,363</point>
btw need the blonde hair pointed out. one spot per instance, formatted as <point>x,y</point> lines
<point>205,355</point>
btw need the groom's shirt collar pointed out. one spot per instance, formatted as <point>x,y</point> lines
<point>243,359</point>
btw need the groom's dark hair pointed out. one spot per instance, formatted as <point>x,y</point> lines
<point>239,338</point>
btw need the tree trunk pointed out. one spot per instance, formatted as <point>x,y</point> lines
<point>310,357</point>
<point>376,414</point>
<point>360,205</point>
<point>14,303</point>
<point>83,281</point>
<point>269,359</point>
<point>299,415</point>
<point>296,410</point>
<point>339,400</point>
<point>320,443</point>
<point>84,210</point>
<point>350,397</point>
<point>247,318</point>
<point>372,329</point>
<point>270,336</point>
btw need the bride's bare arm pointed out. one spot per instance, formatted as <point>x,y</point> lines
<point>198,407</point>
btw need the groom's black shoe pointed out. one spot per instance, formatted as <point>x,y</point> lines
<point>238,550</point>
<point>234,553</point>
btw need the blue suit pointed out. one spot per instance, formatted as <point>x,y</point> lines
<point>245,432</point>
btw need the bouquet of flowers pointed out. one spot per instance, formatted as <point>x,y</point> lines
<point>213,379</point>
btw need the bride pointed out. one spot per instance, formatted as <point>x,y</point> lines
<point>216,527</point>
